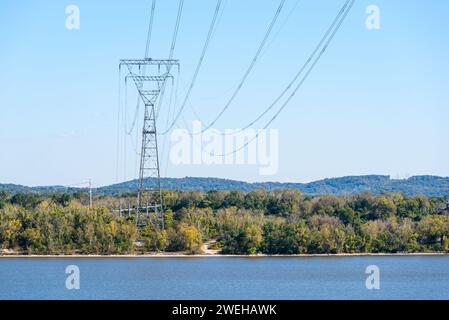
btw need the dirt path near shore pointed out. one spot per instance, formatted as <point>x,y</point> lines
<point>205,248</point>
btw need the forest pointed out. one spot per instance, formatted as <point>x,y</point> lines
<point>428,185</point>
<point>256,222</point>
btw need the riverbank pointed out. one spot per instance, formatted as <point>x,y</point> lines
<point>185,255</point>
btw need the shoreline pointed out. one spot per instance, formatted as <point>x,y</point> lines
<point>184,255</point>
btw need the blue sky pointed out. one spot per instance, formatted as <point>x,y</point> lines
<point>376,103</point>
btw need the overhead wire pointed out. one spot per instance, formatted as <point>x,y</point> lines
<point>261,50</point>
<point>198,66</point>
<point>250,67</point>
<point>276,34</point>
<point>172,50</point>
<point>346,9</point>
<point>125,120</point>
<point>142,71</point>
<point>117,163</point>
<point>172,102</point>
<point>297,75</point>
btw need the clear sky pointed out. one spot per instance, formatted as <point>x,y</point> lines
<point>376,103</point>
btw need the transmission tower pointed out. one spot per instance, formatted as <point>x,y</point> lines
<point>149,196</point>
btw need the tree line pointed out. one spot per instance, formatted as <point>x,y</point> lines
<point>277,222</point>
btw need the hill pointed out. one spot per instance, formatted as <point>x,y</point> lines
<point>427,185</point>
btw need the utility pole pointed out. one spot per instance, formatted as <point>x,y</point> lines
<point>148,87</point>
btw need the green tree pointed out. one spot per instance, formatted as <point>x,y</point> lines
<point>185,238</point>
<point>213,199</point>
<point>4,196</point>
<point>155,239</point>
<point>382,208</point>
<point>26,200</point>
<point>31,240</point>
<point>433,231</point>
<point>188,200</point>
<point>233,199</point>
<point>256,200</point>
<point>284,202</point>
<point>281,238</point>
<point>62,199</point>
<point>250,239</point>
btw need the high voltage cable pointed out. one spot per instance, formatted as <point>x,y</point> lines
<point>213,34</point>
<point>245,76</point>
<point>118,127</point>
<point>171,103</point>
<point>251,66</point>
<point>301,70</point>
<point>162,92</point>
<point>167,121</point>
<point>172,50</point>
<point>150,28</point>
<point>175,33</point>
<point>147,50</point>
<point>345,11</point>
<point>280,28</point>
<point>301,82</point>
<point>198,66</point>
<point>281,95</point>
<point>125,120</point>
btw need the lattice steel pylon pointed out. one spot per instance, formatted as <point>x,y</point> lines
<point>149,198</point>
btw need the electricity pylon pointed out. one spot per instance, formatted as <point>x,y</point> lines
<point>149,197</point>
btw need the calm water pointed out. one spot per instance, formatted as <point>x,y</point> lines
<point>413,277</point>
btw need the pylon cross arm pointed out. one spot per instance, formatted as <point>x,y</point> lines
<point>149,61</point>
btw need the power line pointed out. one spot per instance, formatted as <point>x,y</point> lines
<point>302,80</point>
<point>167,121</point>
<point>175,33</point>
<point>125,120</point>
<point>118,127</point>
<point>281,27</point>
<point>150,29</point>
<point>89,188</point>
<point>301,70</point>
<point>147,50</point>
<point>198,66</point>
<point>235,85</point>
<point>250,67</point>
<point>171,103</point>
<point>172,50</point>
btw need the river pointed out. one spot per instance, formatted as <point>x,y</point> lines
<point>342,277</point>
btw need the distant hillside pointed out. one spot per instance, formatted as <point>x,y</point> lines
<point>427,185</point>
